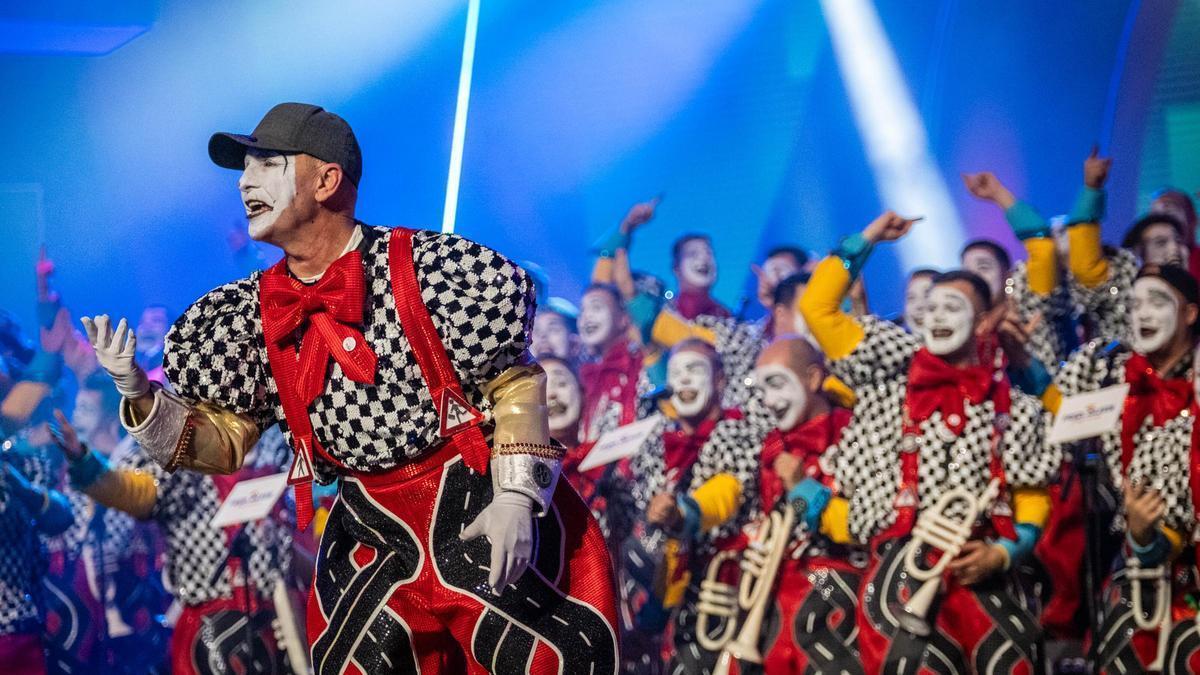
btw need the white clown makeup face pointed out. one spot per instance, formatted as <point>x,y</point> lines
<point>985,263</point>
<point>916,297</point>
<point>599,322</point>
<point>551,336</point>
<point>697,265</point>
<point>690,377</point>
<point>563,397</point>
<point>88,414</point>
<point>779,267</point>
<point>949,319</point>
<point>1155,313</point>
<point>268,186</point>
<point>783,393</point>
<point>1161,245</point>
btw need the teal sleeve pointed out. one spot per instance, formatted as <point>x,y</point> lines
<point>45,368</point>
<point>1022,548</point>
<point>691,517</point>
<point>813,497</point>
<point>643,309</point>
<point>612,241</point>
<point>1032,380</point>
<point>1026,222</point>
<point>854,251</point>
<point>1089,206</point>
<point>1154,553</point>
<point>86,470</point>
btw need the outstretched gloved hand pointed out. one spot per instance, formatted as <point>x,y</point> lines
<point>116,351</point>
<point>508,524</point>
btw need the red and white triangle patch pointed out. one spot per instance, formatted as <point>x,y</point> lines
<point>301,471</point>
<point>456,414</point>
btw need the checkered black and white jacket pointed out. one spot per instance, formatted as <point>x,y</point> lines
<point>867,459</point>
<point>1107,305</point>
<point>1161,454</point>
<point>1046,344</point>
<point>481,303</point>
<point>22,550</point>
<point>198,553</point>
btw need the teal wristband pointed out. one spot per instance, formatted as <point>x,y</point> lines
<point>610,243</point>
<point>1026,222</point>
<point>854,251</point>
<point>1152,554</point>
<point>45,368</point>
<point>815,497</point>
<point>1022,548</point>
<point>691,516</point>
<point>1089,206</point>
<point>86,470</point>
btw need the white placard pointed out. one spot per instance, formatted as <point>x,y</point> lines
<point>1087,415</point>
<point>250,500</point>
<point>619,443</point>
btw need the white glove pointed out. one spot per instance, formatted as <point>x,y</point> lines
<point>508,524</point>
<point>115,350</point>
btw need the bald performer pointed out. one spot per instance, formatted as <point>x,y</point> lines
<point>817,585</point>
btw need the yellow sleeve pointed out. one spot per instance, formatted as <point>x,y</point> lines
<point>602,271</point>
<point>670,329</point>
<point>836,332</point>
<point>1042,267</point>
<point>835,520</point>
<point>1175,538</point>
<point>718,498</point>
<point>1031,506</point>
<point>838,392</point>
<point>1052,398</point>
<point>1087,260</point>
<point>24,398</point>
<point>133,492</point>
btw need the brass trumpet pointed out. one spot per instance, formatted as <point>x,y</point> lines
<point>1161,617</point>
<point>939,531</point>
<point>760,568</point>
<point>717,599</point>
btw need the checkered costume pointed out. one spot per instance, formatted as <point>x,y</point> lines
<point>1107,305</point>
<point>739,343</point>
<point>23,553</point>
<point>480,302</point>
<point>1046,343</point>
<point>867,468</point>
<point>198,553</point>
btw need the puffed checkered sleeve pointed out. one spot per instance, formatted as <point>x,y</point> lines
<point>215,353</point>
<point>1028,460</point>
<point>481,302</point>
<point>1045,343</point>
<point>1107,304</point>
<point>1085,370</point>
<point>883,354</point>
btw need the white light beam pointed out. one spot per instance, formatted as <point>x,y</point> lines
<point>460,118</point>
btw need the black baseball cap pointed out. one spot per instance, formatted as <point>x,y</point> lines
<point>293,128</point>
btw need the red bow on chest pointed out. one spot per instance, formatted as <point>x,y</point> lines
<point>934,385</point>
<point>331,308</point>
<point>1152,396</point>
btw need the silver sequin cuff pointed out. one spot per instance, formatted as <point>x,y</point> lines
<point>160,432</point>
<point>534,477</point>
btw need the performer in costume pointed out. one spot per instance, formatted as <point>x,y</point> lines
<point>695,268</point>
<point>611,378</point>
<point>222,576</point>
<point>696,479</point>
<point>813,622</point>
<point>927,420</point>
<point>428,335</point>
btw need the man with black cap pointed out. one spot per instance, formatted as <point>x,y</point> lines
<point>432,413</point>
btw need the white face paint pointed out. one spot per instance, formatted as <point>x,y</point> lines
<point>1155,313</point>
<point>88,414</point>
<point>690,377</point>
<point>597,323</point>
<point>779,267</point>
<point>984,263</point>
<point>551,336</point>
<point>783,393</point>
<point>697,266</point>
<point>1161,245</point>
<point>916,298</point>
<point>268,186</point>
<point>949,320</point>
<point>563,397</point>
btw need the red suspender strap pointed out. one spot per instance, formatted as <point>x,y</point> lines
<point>285,366</point>
<point>459,421</point>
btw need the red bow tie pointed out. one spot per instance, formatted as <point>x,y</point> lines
<point>1149,396</point>
<point>332,307</point>
<point>934,384</point>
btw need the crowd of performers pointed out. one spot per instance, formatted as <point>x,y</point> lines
<point>820,490</point>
